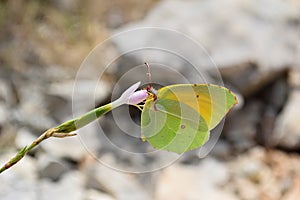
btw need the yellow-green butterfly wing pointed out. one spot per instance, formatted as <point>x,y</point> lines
<point>181,116</point>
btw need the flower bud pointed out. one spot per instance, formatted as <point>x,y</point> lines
<point>130,96</point>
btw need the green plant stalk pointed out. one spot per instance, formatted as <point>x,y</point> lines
<point>64,130</point>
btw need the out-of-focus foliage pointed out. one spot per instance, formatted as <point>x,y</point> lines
<point>59,32</point>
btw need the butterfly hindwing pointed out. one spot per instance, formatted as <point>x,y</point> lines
<point>173,126</point>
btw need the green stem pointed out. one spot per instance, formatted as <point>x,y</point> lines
<point>63,130</point>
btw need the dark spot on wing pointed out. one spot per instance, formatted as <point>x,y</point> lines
<point>182,126</point>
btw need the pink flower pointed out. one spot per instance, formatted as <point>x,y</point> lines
<point>137,97</point>
<point>131,96</point>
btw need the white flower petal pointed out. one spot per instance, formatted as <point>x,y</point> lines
<point>126,95</point>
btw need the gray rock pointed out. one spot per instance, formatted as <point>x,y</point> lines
<point>19,182</point>
<point>84,94</point>
<point>6,101</point>
<point>71,186</point>
<point>3,113</point>
<point>274,98</point>
<point>51,168</point>
<point>232,31</point>
<point>225,35</point>
<point>294,77</point>
<point>7,94</point>
<point>249,78</point>
<point>287,130</point>
<point>243,138</point>
<point>57,73</point>
<point>194,182</point>
<point>66,5</point>
<point>32,111</point>
<point>170,61</point>
<point>221,150</point>
<point>117,184</point>
<point>261,174</point>
<point>95,195</point>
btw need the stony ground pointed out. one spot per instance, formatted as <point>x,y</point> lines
<point>255,46</point>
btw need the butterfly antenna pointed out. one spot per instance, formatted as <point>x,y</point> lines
<point>149,76</point>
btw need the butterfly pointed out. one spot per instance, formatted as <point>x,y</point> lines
<point>179,118</point>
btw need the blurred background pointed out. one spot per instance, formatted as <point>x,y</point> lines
<point>255,48</point>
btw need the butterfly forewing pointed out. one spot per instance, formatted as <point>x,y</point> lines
<point>212,102</point>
